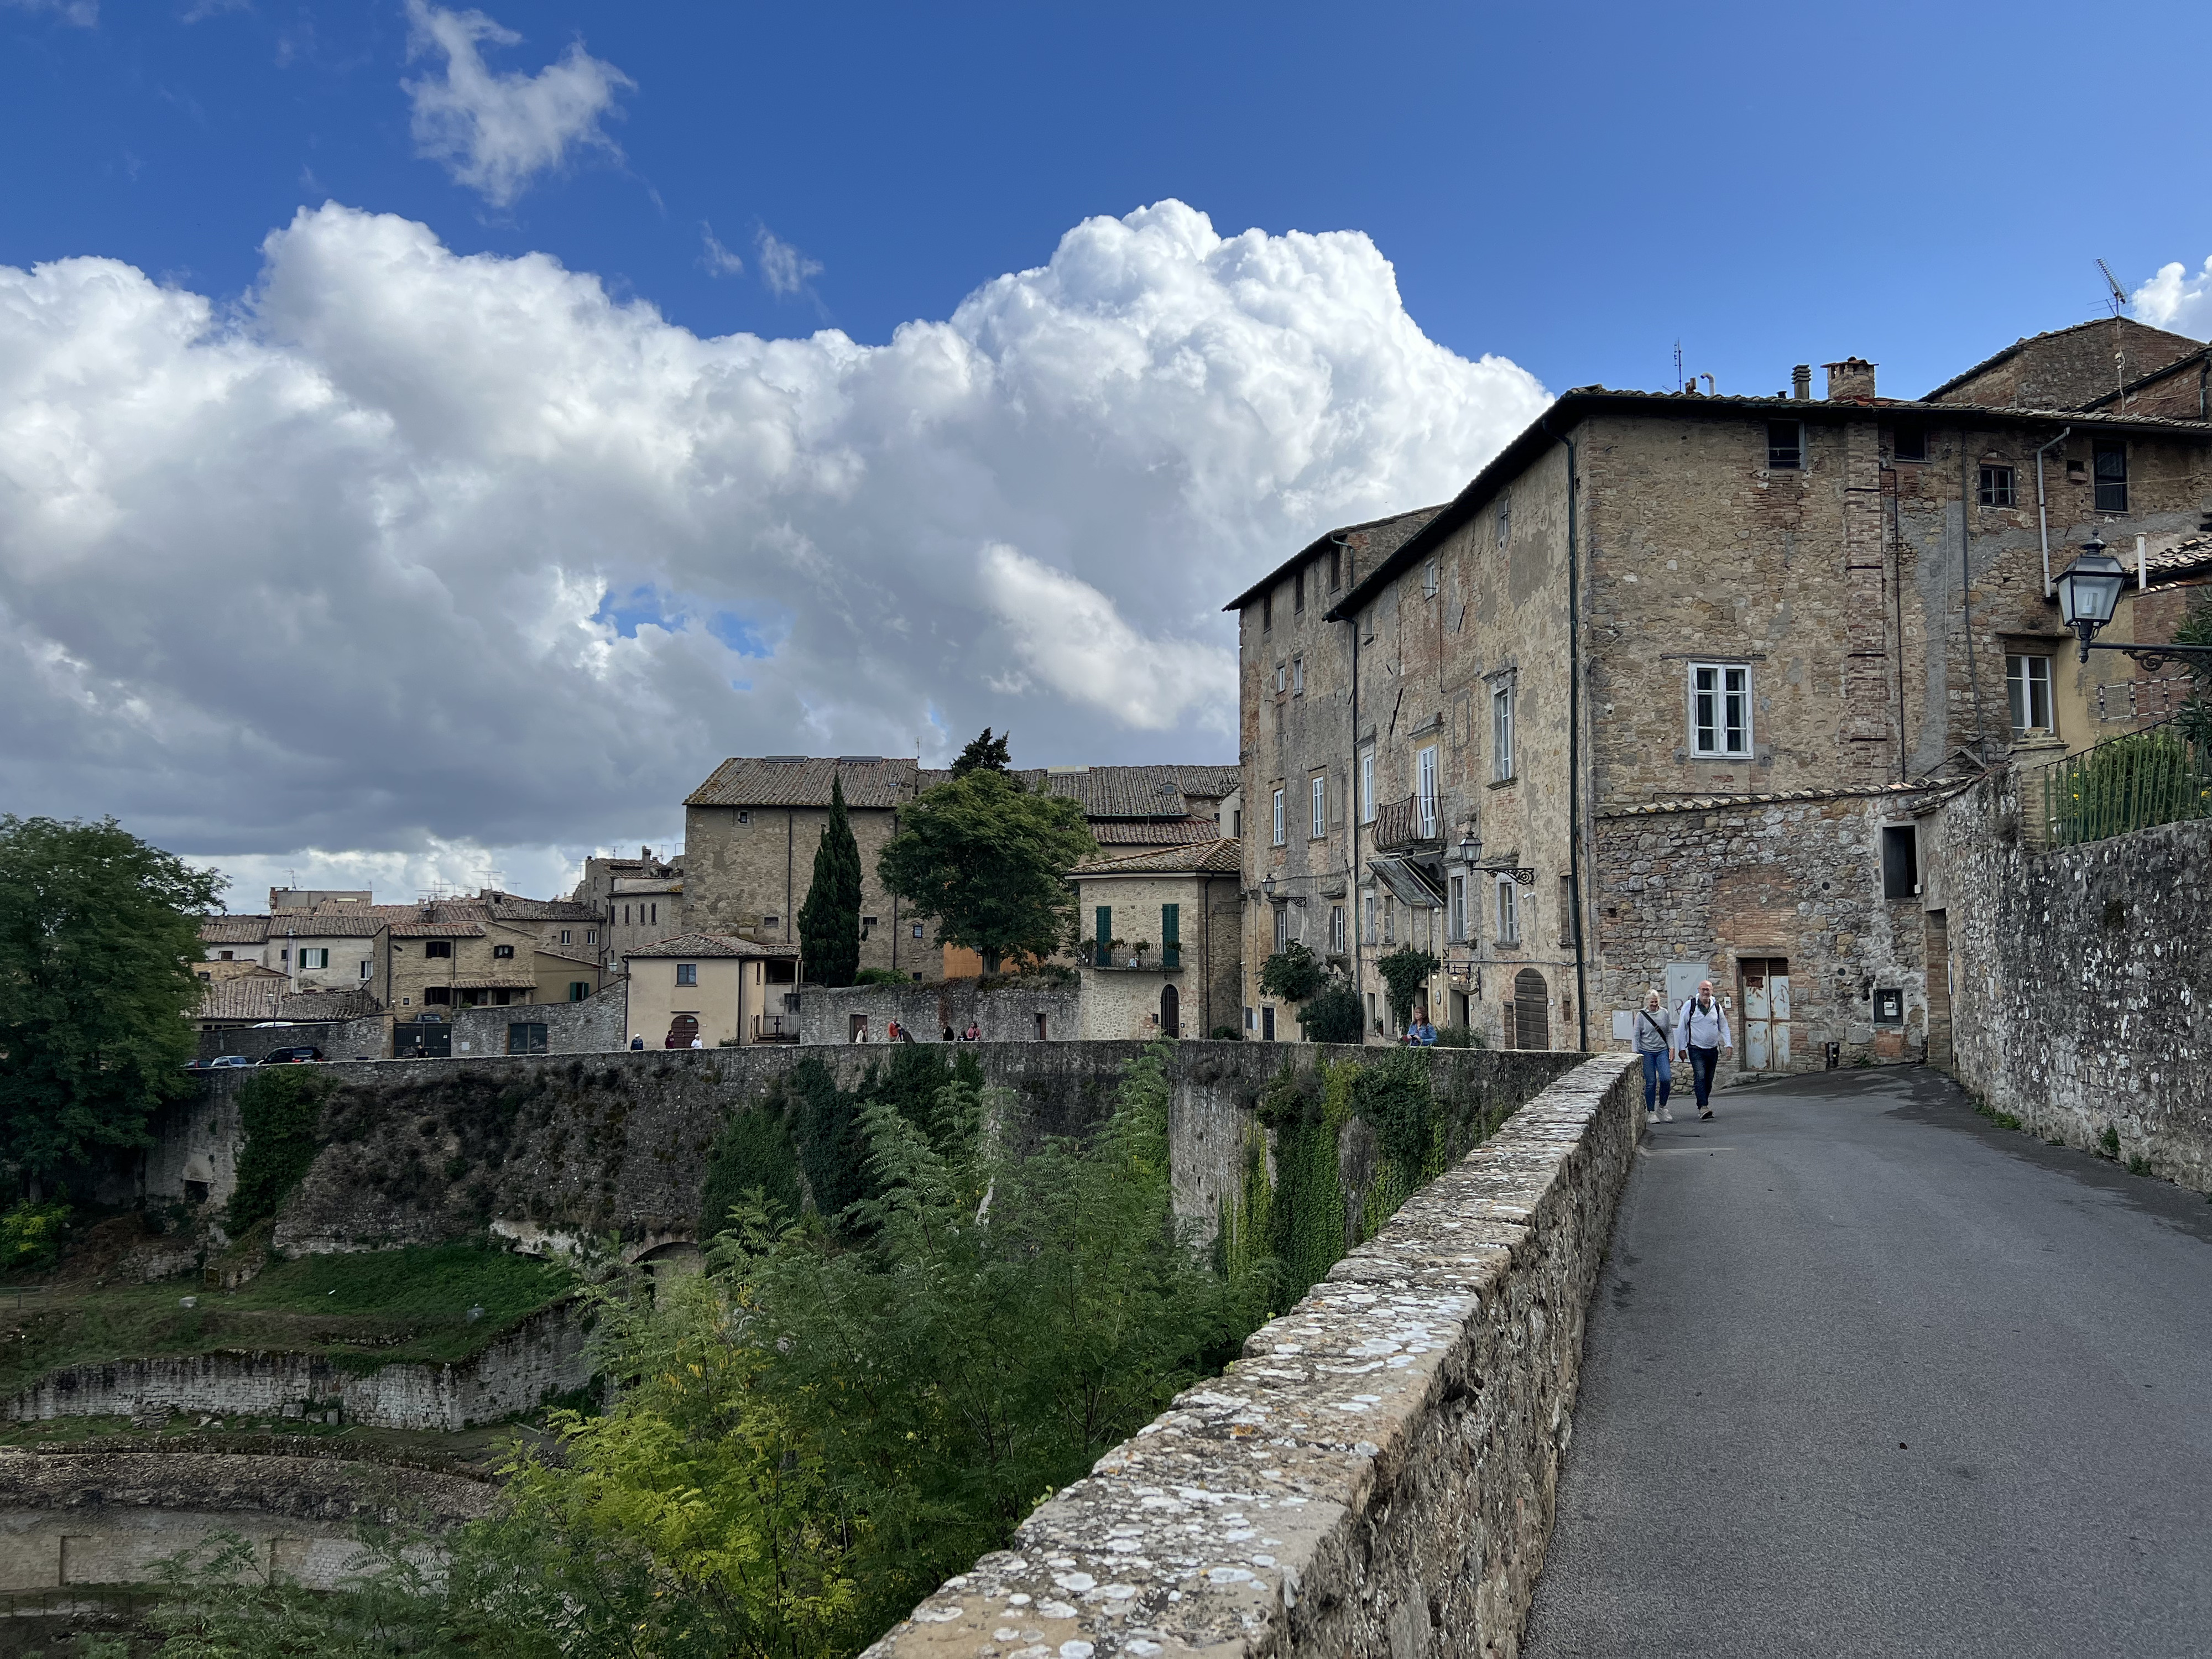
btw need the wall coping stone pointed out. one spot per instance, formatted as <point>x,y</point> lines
<point>1376,1474</point>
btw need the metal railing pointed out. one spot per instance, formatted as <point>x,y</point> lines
<point>2160,774</point>
<point>775,1028</point>
<point>1402,824</point>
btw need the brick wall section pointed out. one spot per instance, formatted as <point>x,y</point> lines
<point>1376,1478</point>
<point>2083,978</point>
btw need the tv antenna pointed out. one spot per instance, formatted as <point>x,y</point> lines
<point>2119,293</point>
<point>1678,365</point>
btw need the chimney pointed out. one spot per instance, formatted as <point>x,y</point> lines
<point>1851,382</point>
<point>1801,382</point>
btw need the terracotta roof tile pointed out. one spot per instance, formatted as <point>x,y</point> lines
<point>709,944</point>
<point>1223,856</point>
<point>801,780</point>
<point>233,930</point>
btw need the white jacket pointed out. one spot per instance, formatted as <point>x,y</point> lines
<point>1702,1030</point>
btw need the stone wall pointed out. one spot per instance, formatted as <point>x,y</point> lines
<point>340,1039</point>
<point>2081,979</point>
<point>597,1025</point>
<point>77,1516</point>
<point>1006,1013</point>
<point>1376,1478</point>
<point>542,1356</point>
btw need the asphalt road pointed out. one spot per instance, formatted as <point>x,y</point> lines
<point>1867,1374</point>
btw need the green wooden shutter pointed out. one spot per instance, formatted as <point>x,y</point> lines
<point>1170,935</point>
<point>1105,936</point>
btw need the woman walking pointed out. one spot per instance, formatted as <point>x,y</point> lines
<point>1655,1044</point>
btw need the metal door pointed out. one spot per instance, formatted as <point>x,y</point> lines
<point>1777,999</point>
<point>1758,1019</point>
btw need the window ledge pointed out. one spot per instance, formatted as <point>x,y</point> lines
<point>1504,783</point>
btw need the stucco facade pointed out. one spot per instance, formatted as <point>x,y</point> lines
<point>724,991</point>
<point>1187,899</point>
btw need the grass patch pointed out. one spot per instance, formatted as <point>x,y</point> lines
<point>363,1310</point>
<point>2003,1119</point>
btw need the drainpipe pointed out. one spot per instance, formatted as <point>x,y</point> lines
<point>1352,815</point>
<point>1574,745</point>
<point>2042,515</point>
<point>1966,590</point>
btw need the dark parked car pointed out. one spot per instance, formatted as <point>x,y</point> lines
<point>291,1056</point>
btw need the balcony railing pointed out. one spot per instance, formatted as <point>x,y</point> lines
<point>775,1028</point>
<point>2157,776</point>
<point>1400,823</point>
<point>1167,960</point>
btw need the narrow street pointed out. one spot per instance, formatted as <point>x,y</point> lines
<point>1867,1374</point>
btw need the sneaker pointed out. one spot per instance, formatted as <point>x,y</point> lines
<point>1651,1117</point>
<point>1705,1112</point>
<point>1666,1116</point>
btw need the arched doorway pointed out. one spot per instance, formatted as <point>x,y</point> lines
<point>1532,1018</point>
<point>682,1029</point>
<point>1170,1012</point>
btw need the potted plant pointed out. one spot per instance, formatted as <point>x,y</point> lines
<point>1140,947</point>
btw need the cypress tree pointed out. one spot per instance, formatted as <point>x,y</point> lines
<point>830,921</point>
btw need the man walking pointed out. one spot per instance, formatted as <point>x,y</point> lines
<point>1700,1033</point>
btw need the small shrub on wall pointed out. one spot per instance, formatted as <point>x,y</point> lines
<point>1334,1014</point>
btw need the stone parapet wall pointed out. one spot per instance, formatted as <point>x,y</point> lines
<point>597,1025</point>
<point>340,1039</point>
<point>2082,979</point>
<point>1377,1475</point>
<point>1006,1013</point>
<point>542,1356</point>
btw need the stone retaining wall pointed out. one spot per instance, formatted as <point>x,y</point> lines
<point>2081,979</point>
<point>544,1355</point>
<point>1006,1013</point>
<point>1377,1475</point>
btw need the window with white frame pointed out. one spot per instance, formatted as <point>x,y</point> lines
<point>1508,912</point>
<point>1367,788</point>
<point>1282,926</point>
<point>1720,708</point>
<point>1320,808</point>
<point>1282,678</point>
<point>1336,930</point>
<point>2027,689</point>
<point>1389,919</point>
<point>1367,923</point>
<point>1297,677</point>
<point>314,956</point>
<point>1425,769</point>
<point>1501,731</point>
<point>1456,933</point>
<point>1278,817</point>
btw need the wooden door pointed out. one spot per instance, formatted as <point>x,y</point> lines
<point>1532,1013</point>
<point>1170,1014</point>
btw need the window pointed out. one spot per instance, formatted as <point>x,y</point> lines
<point>437,947</point>
<point>743,816</point>
<point>654,919</point>
<point>502,952</point>
<point>1720,708</point>
<point>437,994</point>
<point>1900,861</point>
<point>1909,443</point>
<point>1367,788</point>
<point>525,1039</point>
<point>1368,930</point>
<point>1103,935</point>
<point>1268,1024</point>
<point>1320,808</point>
<point>1171,936</point>
<point>1282,926</point>
<point>1455,926</point>
<point>1429,581</point>
<point>230,957</point>
<point>1996,486</point>
<point>1508,912</point>
<point>1785,445</point>
<point>1501,733</point>
<point>591,936</point>
<point>917,930</point>
<point>1297,677</point>
<point>1278,817</point>
<point>1251,1017</point>
<point>1267,610</point>
<point>1566,911</point>
<point>1336,930</point>
<point>1282,679</point>
<point>312,956</point>
<point>1335,569</point>
<point>1236,823</point>
<point>625,916</point>
<point>1389,919</point>
<point>2027,689</point>
<point>687,973</point>
<point>1504,520</point>
<point>564,936</point>
<point>2111,470</point>
<point>1299,591</point>
<point>1425,767</point>
<point>868,925</point>
<point>364,968</point>
<point>579,989</point>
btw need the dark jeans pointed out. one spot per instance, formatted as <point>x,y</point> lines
<point>1658,1078</point>
<point>1702,1061</point>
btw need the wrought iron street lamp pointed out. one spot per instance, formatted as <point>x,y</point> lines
<point>2089,593</point>
<point>1470,846</point>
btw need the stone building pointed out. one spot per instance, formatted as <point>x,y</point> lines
<point>1184,905</point>
<point>640,898</point>
<point>752,829</point>
<point>455,953</point>
<point>1661,694</point>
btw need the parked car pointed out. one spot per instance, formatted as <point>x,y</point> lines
<point>222,1062</point>
<point>295,1056</point>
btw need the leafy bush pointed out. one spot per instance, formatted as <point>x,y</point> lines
<point>31,1236</point>
<point>1406,971</point>
<point>1461,1036</point>
<point>1335,1014</point>
<point>279,1108</point>
<point>1226,1034</point>
<point>1292,974</point>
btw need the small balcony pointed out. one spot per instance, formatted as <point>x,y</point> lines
<point>1168,960</point>
<point>1399,823</point>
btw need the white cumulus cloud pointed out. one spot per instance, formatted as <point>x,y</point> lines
<point>493,131</point>
<point>2176,301</point>
<point>430,558</point>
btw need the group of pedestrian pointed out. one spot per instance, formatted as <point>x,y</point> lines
<point>1697,1034</point>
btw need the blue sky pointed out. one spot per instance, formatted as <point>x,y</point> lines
<point>435,437</point>
<point>1572,186</point>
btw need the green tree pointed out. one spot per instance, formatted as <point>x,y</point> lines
<point>1332,1014</point>
<point>985,754</point>
<point>830,921</point>
<point>1405,971</point>
<point>989,860</point>
<point>1293,973</point>
<point>97,931</point>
